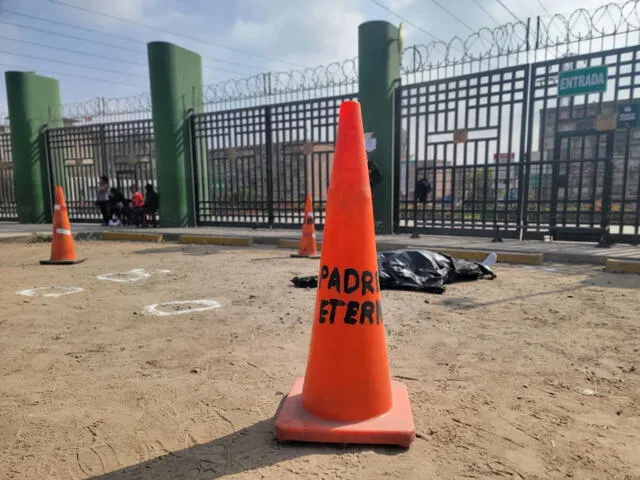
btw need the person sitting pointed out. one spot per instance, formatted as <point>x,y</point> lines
<point>137,205</point>
<point>117,202</point>
<point>150,205</point>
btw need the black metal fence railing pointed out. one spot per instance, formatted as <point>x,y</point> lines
<point>506,153</point>
<point>255,166</point>
<point>463,135</point>
<point>79,156</point>
<point>582,177</point>
<point>8,206</point>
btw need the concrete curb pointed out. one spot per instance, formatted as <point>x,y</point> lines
<point>213,240</point>
<point>503,257</point>
<point>287,243</point>
<point>547,257</point>
<point>521,258</point>
<point>526,257</point>
<point>133,236</point>
<point>19,239</point>
<point>622,266</point>
<point>85,236</point>
<point>472,255</point>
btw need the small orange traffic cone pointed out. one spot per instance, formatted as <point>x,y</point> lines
<point>347,395</point>
<point>63,250</point>
<point>307,247</point>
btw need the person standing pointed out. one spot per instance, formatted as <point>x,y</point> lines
<point>375,174</point>
<point>102,200</point>
<point>151,205</point>
<point>137,205</point>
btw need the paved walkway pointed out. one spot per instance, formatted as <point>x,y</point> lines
<point>573,252</point>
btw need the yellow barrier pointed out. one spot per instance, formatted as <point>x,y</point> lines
<point>622,266</point>
<point>208,240</point>
<point>503,257</point>
<point>132,236</point>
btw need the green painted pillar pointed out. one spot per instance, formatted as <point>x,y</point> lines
<point>176,87</point>
<point>29,97</point>
<point>379,58</point>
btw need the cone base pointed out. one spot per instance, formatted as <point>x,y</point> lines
<point>396,427</point>
<point>297,255</point>
<point>62,262</point>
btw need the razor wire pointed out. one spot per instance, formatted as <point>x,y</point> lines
<point>515,42</point>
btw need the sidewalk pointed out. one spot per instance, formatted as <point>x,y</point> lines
<point>562,252</point>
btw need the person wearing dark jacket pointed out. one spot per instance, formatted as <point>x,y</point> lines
<point>151,203</point>
<point>375,175</point>
<point>423,190</point>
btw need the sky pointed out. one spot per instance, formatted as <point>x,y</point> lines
<point>236,38</point>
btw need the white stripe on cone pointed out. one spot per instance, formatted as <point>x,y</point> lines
<point>63,231</point>
<point>57,207</point>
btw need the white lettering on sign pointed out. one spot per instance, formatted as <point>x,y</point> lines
<point>583,81</point>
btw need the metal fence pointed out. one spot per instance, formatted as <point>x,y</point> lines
<point>255,166</point>
<point>460,135</point>
<point>505,152</point>
<point>272,88</point>
<point>480,118</point>
<point>582,176</point>
<point>8,207</point>
<point>80,155</point>
<point>103,110</point>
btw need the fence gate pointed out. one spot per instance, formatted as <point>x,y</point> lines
<point>581,185</point>
<point>231,167</point>
<point>583,176</point>
<point>465,135</point>
<point>80,155</point>
<point>8,207</point>
<point>255,166</point>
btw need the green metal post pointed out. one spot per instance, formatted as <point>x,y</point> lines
<point>176,87</point>
<point>379,75</point>
<point>30,97</point>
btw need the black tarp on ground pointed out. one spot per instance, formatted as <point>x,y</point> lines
<point>419,270</point>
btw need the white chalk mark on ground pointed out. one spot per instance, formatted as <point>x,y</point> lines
<point>51,292</point>
<point>130,276</point>
<point>160,309</point>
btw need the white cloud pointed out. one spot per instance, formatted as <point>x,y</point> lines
<point>110,15</point>
<point>307,33</point>
<point>295,31</point>
<point>128,9</point>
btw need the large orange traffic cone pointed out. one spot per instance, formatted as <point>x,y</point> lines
<point>63,250</point>
<point>347,395</point>
<point>307,247</point>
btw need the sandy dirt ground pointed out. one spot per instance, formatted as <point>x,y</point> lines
<point>534,375</point>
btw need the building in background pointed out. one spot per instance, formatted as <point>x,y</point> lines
<point>585,178</point>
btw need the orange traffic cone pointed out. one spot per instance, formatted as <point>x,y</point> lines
<point>307,247</point>
<point>63,250</point>
<point>347,395</point>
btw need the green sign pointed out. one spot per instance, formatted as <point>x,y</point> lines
<point>628,115</point>
<point>581,81</point>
